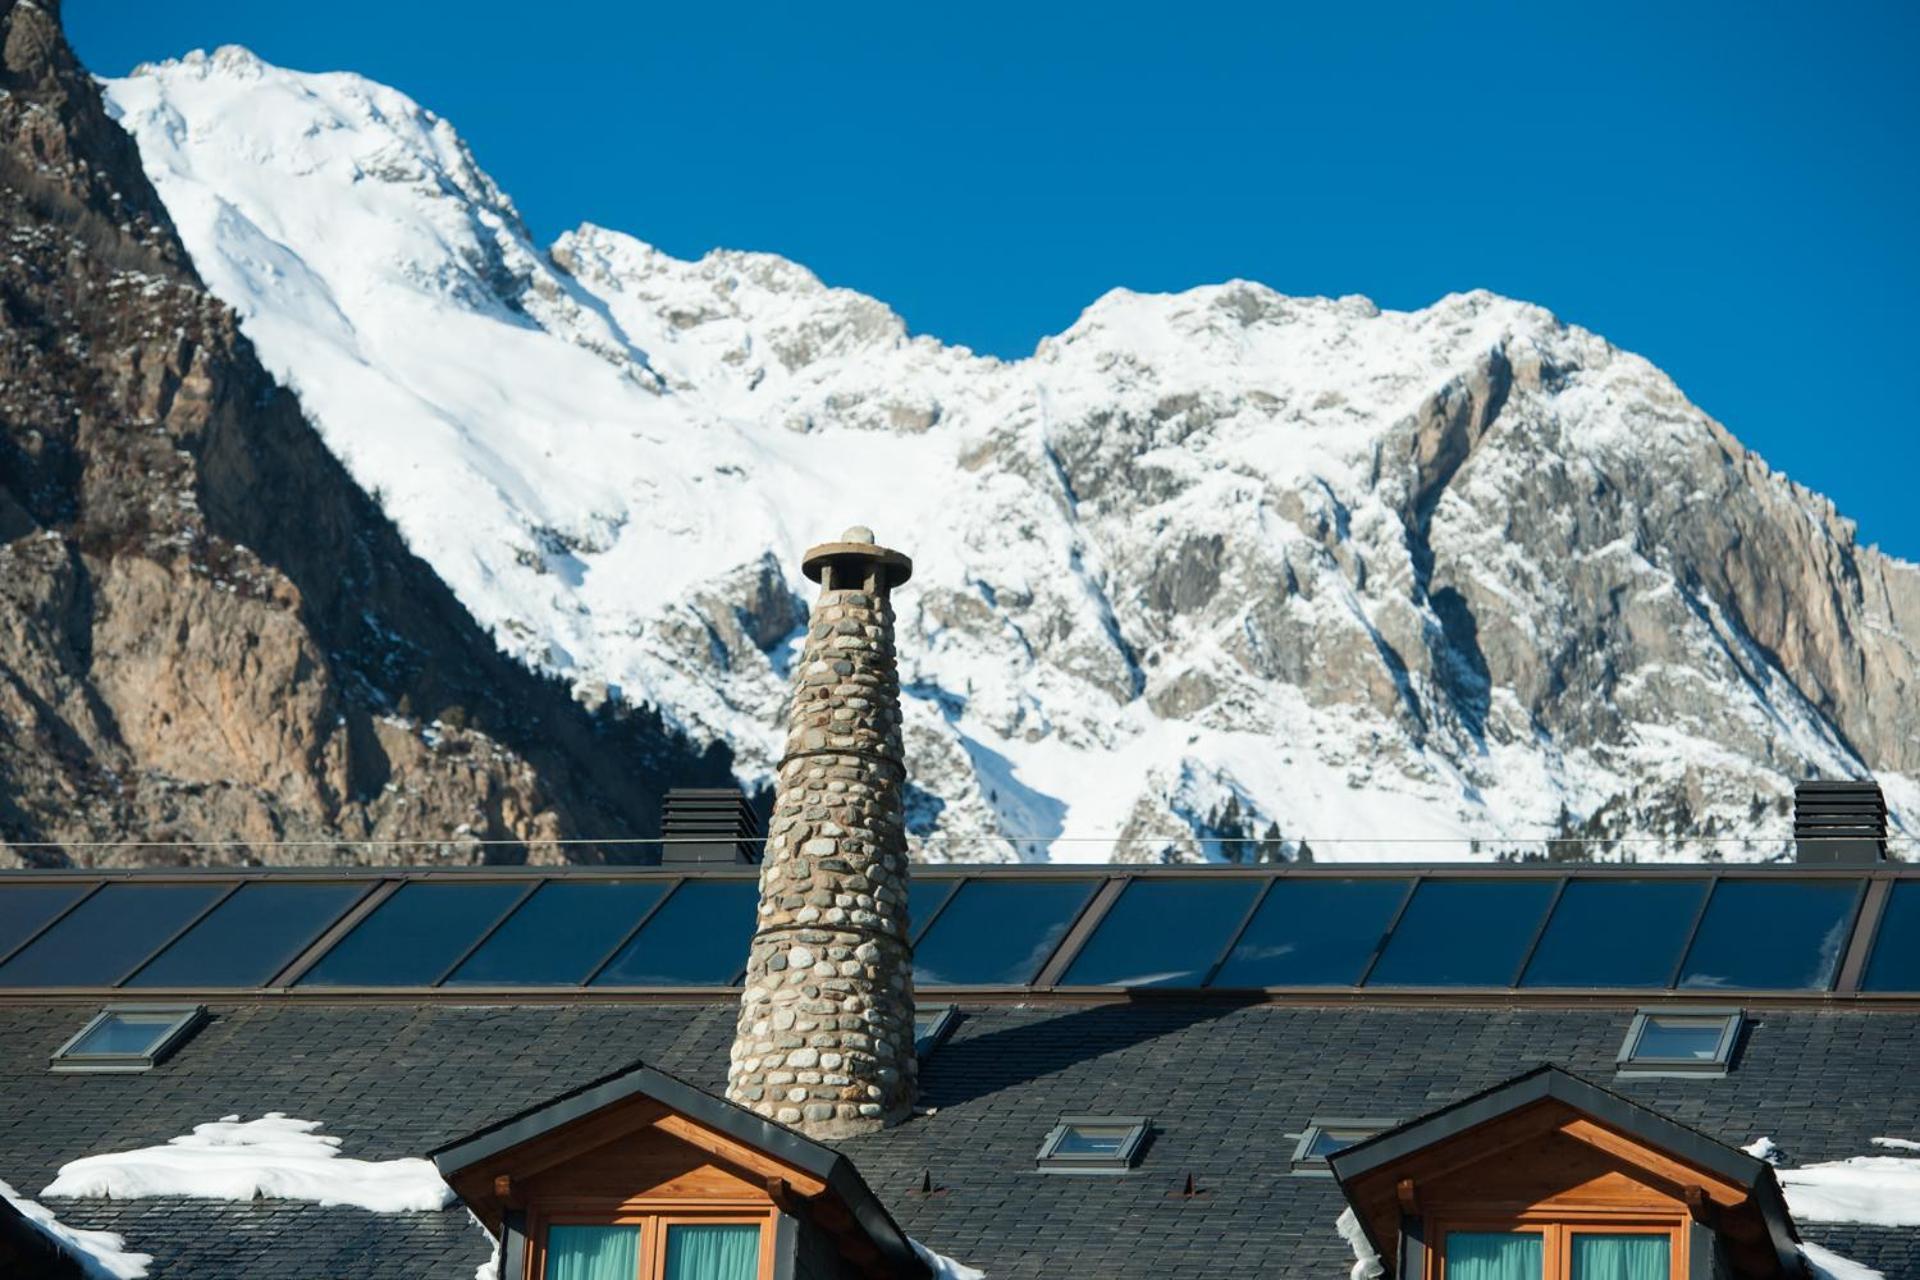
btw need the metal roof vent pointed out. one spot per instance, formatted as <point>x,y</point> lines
<point>1839,823</point>
<point>711,825</point>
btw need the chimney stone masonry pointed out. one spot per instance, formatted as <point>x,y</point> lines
<point>825,1037</point>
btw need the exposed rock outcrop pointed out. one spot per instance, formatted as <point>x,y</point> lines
<point>207,631</point>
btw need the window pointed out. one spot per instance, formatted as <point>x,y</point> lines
<point>252,935</point>
<point>560,935</point>
<point>1324,1137</point>
<point>1544,1250</point>
<point>1697,1042</point>
<point>1311,932</point>
<point>1092,1144</point>
<point>1587,945</point>
<point>104,938</point>
<point>1896,950</point>
<point>1464,933</point>
<point>1772,935</point>
<point>931,1027</point>
<point>672,1245</point>
<point>998,932</point>
<point>133,1037</point>
<point>1163,933</point>
<point>698,938</point>
<point>414,937</point>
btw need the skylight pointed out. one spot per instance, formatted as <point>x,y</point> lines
<point>1093,1144</point>
<point>130,1037</point>
<point>1324,1136</point>
<point>931,1026</point>
<point>1697,1042</point>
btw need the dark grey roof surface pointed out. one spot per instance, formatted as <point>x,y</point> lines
<point>1226,1086</point>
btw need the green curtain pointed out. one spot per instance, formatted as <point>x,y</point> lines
<point>1623,1257</point>
<point>729,1251</point>
<point>593,1253</point>
<point>1493,1255</point>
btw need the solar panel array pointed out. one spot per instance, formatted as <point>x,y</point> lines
<point>1393,932</point>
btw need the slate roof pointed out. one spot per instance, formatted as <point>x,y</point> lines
<point>1226,1085</point>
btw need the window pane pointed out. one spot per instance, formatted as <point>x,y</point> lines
<point>1896,952</point>
<point>560,933</point>
<point>250,937</point>
<point>1620,1257</point>
<point>721,1251</point>
<point>998,931</point>
<point>1327,1141</point>
<point>924,897</point>
<point>412,937</point>
<point>26,907</point>
<point>1677,1038</point>
<point>1616,933</point>
<point>1163,933</point>
<point>1493,1255</point>
<point>593,1253</point>
<point>134,1033</point>
<point>107,935</point>
<point>1772,935</point>
<point>698,938</point>
<point>1092,1140</point>
<point>1463,933</point>
<point>1313,933</point>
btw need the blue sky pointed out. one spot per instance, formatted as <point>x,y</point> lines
<point>1729,190</point>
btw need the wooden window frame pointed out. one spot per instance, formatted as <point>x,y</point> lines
<point>1558,1227</point>
<point>653,1217</point>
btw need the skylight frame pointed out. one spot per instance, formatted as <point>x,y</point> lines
<point>1631,1064</point>
<point>68,1058</point>
<point>1050,1159</point>
<point>944,1019</point>
<point>1305,1164</point>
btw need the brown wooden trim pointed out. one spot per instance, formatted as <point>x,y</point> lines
<point>737,1153</point>
<point>654,1217</point>
<point>1557,1227</point>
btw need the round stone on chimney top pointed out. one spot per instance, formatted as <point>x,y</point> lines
<point>859,533</point>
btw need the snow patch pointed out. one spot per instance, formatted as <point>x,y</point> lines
<point>1881,1191</point>
<point>945,1268</point>
<point>102,1254</point>
<point>1366,1262</point>
<point>275,1156</point>
<point>1828,1265</point>
<point>1763,1148</point>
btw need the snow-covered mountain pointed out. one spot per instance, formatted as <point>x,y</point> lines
<point>1207,565</point>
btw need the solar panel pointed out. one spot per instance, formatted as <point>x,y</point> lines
<point>413,937</point>
<point>698,937</point>
<point>1463,933</point>
<point>24,908</point>
<point>250,937</point>
<point>1772,935</point>
<point>1616,933</point>
<point>1896,951</point>
<point>1313,933</point>
<point>561,934</point>
<point>100,941</point>
<point>1163,933</point>
<point>998,932</point>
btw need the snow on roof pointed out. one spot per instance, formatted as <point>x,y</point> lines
<point>102,1254</point>
<point>1828,1265</point>
<point>274,1156</point>
<point>945,1268</point>
<point>1882,1191</point>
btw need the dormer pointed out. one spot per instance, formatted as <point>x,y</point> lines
<point>641,1176</point>
<point>1549,1177</point>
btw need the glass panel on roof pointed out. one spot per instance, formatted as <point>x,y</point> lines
<point>1672,1037</point>
<point>1616,933</point>
<point>1895,965</point>
<point>560,933</point>
<point>998,932</point>
<point>24,908</point>
<point>698,938</point>
<point>1772,935</point>
<point>1163,933</point>
<point>250,937</point>
<point>412,937</point>
<point>924,896</point>
<point>119,1034</point>
<point>1463,933</point>
<point>1313,933</point>
<point>99,941</point>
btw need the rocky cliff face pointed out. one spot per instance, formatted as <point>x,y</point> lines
<point>1205,569</point>
<point>207,631</point>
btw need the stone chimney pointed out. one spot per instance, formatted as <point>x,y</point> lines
<point>825,1038</point>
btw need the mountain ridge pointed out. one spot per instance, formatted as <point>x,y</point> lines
<point>1478,572</point>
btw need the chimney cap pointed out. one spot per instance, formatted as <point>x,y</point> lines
<point>857,545</point>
